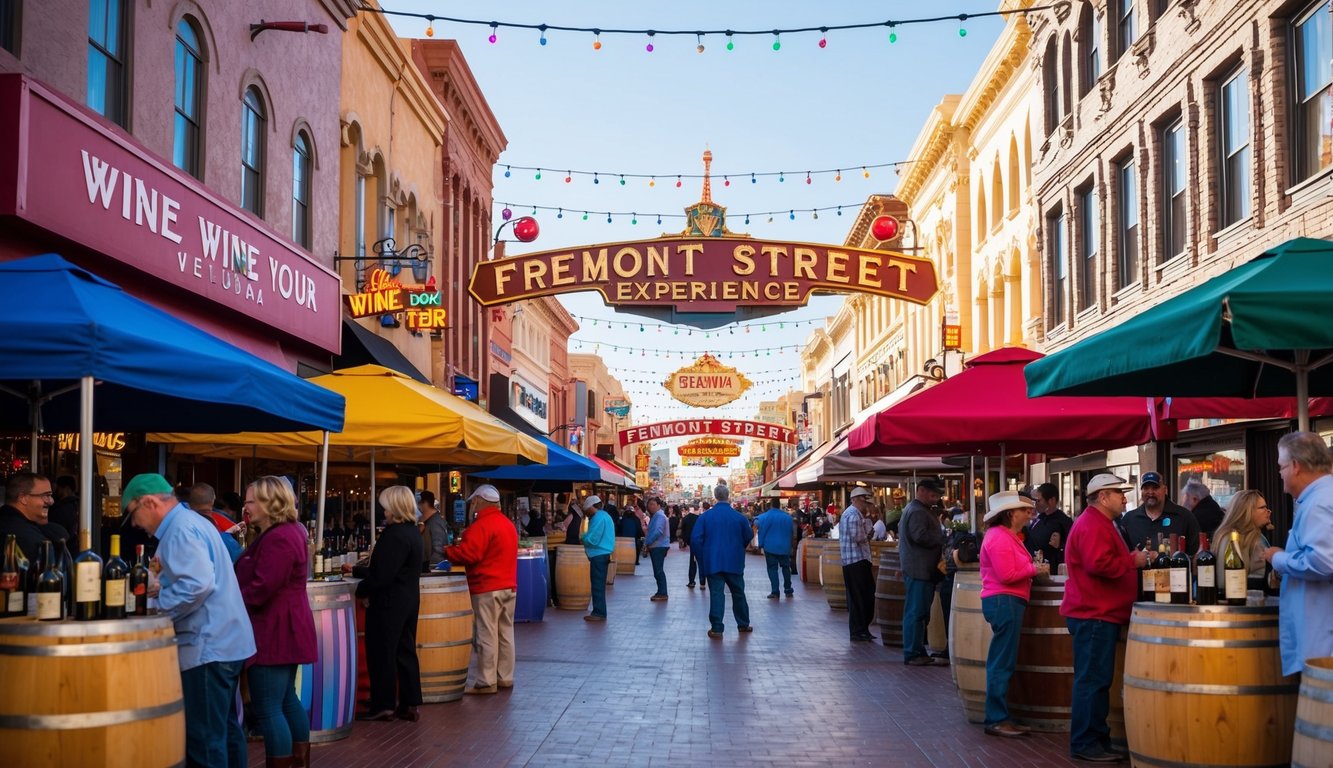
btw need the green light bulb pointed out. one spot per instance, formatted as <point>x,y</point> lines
<point>893,37</point>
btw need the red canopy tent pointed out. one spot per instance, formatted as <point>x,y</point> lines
<point>985,410</point>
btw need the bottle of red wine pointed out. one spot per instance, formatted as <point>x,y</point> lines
<point>50,587</point>
<point>65,564</point>
<point>136,600</point>
<point>87,581</point>
<point>115,582</point>
<point>35,568</point>
<point>13,601</point>
<point>1180,572</point>
<point>1147,580</point>
<point>1205,574</point>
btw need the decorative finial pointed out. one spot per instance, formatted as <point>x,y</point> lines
<point>708,181</point>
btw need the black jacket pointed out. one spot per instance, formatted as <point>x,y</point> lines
<point>1209,515</point>
<point>1175,519</point>
<point>1039,536</point>
<point>391,579</point>
<point>687,528</point>
<point>30,535</point>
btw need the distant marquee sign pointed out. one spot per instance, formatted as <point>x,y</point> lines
<point>706,383</point>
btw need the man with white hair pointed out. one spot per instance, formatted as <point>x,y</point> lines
<point>719,540</point>
<point>1196,497</point>
<point>490,553</point>
<point>854,548</point>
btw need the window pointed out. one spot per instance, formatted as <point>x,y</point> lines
<point>1173,190</point>
<point>1051,85</point>
<point>1127,223</point>
<point>1087,248</point>
<point>1126,25</point>
<point>301,169</point>
<point>1313,71</point>
<point>253,124</point>
<point>1055,256</point>
<point>189,99</point>
<point>106,59</point>
<point>1092,50</point>
<point>1234,112</point>
<point>9,25</point>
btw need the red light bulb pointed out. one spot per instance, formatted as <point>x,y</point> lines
<point>884,228</point>
<point>526,229</point>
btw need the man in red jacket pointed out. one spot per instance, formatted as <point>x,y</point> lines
<point>1099,595</point>
<point>489,550</point>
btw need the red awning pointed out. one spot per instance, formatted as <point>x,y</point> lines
<point>985,410</point>
<point>612,474</point>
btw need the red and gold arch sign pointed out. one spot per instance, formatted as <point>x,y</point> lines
<point>706,383</point>
<point>709,447</point>
<point>662,430</point>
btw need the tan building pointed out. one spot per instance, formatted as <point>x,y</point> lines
<point>533,391</point>
<point>592,386</point>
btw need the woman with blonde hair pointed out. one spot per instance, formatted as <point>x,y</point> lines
<point>389,584</point>
<point>1248,515</point>
<point>272,577</point>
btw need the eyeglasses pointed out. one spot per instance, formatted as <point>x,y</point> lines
<point>1284,467</point>
<point>47,495</point>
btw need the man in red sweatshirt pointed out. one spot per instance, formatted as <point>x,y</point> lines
<point>489,551</point>
<point>1099,595</point>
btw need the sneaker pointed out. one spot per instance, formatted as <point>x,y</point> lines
<point>658,598</point>
<point>772,595</point>
<point>1098,755</point>
<point>690,585</point>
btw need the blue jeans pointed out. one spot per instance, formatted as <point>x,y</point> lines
<point>1004,613</point>
<point>717,603</point>
<point>773,562</point>
<point>597,567</point>
<point>1094,666</point>
<point>278,713</point>
<point>213,737</point>
<point>658,555</point>
<point>916,612</point>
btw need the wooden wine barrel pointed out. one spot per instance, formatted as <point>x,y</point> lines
<point>444,636</point>
<point>969,640</point>
<point>623,557</point>
<point>97,693</point>
<point>810,564</point>
<point>890,594</point>
<point>1041,689</point>
<point>328,687</point>
<point>830,570</point>
<point>572,580</point>
<point>1313,744</point>
<point>1205,686</point>
<point>877,547</point>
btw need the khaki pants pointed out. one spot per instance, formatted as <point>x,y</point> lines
<point>492,638</point>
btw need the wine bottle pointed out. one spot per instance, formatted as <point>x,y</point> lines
<point>1162,571</point>
<point>319,561</point>
<point>115,579</point>
<point>50,587</point>
<point>35,568</point>
<point>1205,574</point>
<point>1180,572</point>
<point>87,581</point>
<point>12,600</point>
<point>1233,572</point>
<point>1147,580</point>
<point>136,600</point>
<point>65,565</point>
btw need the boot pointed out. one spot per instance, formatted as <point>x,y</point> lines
<point>278,762</point>
<point>300,754</point>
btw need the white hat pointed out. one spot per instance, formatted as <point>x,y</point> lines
<point>486,492</point>
<point>1106,481</point>
<point>861,491</point>
<point>592,501</point>
<point>999,502</point>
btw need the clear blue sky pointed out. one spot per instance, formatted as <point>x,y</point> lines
<point>858,101</point>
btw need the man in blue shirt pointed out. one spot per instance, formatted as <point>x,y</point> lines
<point>1305,624</point>
<point>599,541</point>
<point>658,543</point>
<point>719,539</point>
<point>198,591</point>
<point>776,531</point>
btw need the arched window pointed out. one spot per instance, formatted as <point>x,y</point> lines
<point>1090,57</point>
<point>186,146</point>
<point>1050,84</point>
<point>1067,76</point>
<point>996,194</point>
<point>254,122</point>
<point>302,169</point>
<point>982,229</point>
<point>1015,175</point>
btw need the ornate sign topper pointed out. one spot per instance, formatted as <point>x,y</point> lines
<point>706,383</point>
<point>695,427</point>
<point>710,447</point>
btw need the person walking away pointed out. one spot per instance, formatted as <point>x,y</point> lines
<point>434,531</point>
<point>629,527</point>
<point>272,578</point>
<point>719,539</point>
<point>658,543</point>
<point>390,589</point>
<point>776,531</point>
<point>198,591</point>
<point>854,547</point>
<point>920,546</point>
<point>1196,497</point>
<point>1102,584</point>
<point>489,550</point>
<point>1006,587</point>
<point>686,531</point>
<point>1049,528</point>
<point>1305,624</point>
<point>598,544</point>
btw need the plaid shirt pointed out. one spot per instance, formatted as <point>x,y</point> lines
<point>853,536</point>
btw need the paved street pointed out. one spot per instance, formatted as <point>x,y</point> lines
<point>650,688</point>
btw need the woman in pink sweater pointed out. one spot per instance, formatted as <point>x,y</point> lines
<point>1006,585</point>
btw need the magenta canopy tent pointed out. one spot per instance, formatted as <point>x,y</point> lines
<point>985,411</point>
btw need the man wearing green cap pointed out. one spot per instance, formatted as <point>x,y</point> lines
<point>213,634</point>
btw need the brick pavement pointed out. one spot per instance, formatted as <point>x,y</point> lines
<point>650,688</point>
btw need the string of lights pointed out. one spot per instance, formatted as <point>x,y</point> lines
<point>753,176</point>
<point>634,216</point>
<point>668,353</point>
<point>730,35</point>
<point>597,322</point>
<point>786,371</point>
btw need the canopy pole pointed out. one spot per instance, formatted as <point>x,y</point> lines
<point>1302,371</point>
<point>86,449</point>
<point>372,498</point>
<point>972,475</point>
<point>1003,485</point>
<point>323,487</point>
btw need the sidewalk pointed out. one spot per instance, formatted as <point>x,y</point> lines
<point>650,688</point>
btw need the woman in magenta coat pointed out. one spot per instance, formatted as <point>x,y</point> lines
<point>272,576</point>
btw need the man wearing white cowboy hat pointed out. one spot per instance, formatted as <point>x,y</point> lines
<point>1099,595</point>
<point>599,541</point>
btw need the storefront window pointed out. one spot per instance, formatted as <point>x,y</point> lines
<point>1223,472</point>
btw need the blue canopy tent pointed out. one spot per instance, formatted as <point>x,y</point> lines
<point>85,346</point>
<point>562,467</point>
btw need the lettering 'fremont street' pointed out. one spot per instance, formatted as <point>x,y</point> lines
<point>690,427</point>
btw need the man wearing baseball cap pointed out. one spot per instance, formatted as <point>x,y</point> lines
<point>200,594</point>
<point>599,541</point>
<point>1099,593</point>
<point>489,550</point>
<point>1159,516</point>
